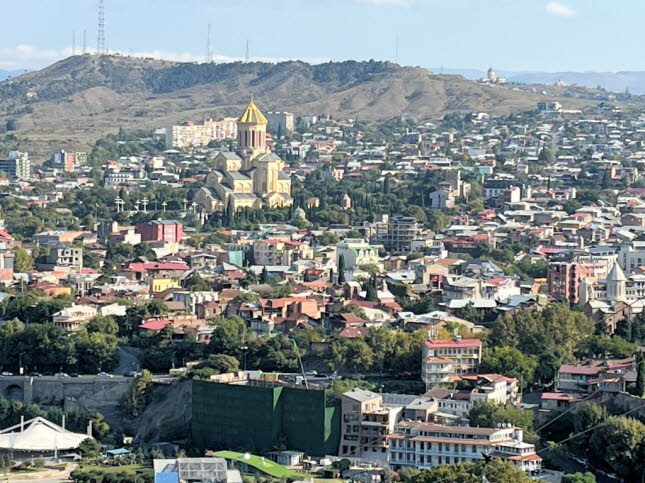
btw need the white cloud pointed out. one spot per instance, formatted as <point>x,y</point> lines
<point>26,57</point>
<point>387,3</point>
<point>559,10</point>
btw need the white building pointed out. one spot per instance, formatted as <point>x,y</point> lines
<point>425,445</point>
<point>443,360</point>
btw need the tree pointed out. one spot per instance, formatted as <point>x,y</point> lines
<point>140,393</point>
<point>103,325</point>
<point>264,276</point>
<point>341,269</point>
<point>195,283</point>
<point>489,414</point>
<point>10,125</point>
<point>579,478</point>
<point>509,362</point>
<point>90,448</point>
<point>23,261</point>
<point>640,375</point>
<point>618,445</point>
<point>587,416</point>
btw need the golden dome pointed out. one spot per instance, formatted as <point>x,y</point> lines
<point>252,115</point>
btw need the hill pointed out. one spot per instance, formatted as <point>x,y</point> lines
<point>76,100</point>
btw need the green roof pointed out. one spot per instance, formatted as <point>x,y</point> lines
<point>259,463</point>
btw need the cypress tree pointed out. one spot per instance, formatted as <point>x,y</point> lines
<point>640,375</point>
<point>341,269</point>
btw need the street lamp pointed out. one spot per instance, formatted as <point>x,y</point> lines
<point>20,369</point>
<point>245,349</point>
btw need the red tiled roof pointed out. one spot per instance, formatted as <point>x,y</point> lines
<point>145,266</point>
<point>453,343</point>
<point>155,324</point>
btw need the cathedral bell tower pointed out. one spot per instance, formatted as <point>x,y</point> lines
<point>252,132</point>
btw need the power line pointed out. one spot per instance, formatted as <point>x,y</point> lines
<point>566,412</point>
<point>606,421</point>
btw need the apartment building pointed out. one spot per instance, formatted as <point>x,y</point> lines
<point>483,388</point>
<point>282,122</point>
<point>397,233</point>
<point>366,425</point>
<point>280,252</point>
<point>62,257</point>
<point>169,231</point>
<point>443,360</point>
<point>425,445</point>
<point>564,278</point>
<point>16,166</point>
<point>189,134</point>
<point>356,252</point>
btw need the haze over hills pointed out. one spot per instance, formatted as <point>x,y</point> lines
<point>634,81</point>
<point>83,97</point>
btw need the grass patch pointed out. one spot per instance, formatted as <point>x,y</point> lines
<point>263,465</point>
<point>137,468</point>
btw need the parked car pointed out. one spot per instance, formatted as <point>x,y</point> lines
<point>7,373</point>
<point>104,375</point>
<point>133,374</point>
<point>61,374</point>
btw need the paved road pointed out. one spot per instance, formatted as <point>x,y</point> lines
<point>128,360</point>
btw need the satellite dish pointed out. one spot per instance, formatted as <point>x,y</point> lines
<point>246,456</point>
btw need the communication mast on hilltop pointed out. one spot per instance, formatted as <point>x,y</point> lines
<point>100,42</point>
<point>209,50</point>
<point>246,55</point>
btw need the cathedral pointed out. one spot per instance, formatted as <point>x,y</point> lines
<point>251,178</point>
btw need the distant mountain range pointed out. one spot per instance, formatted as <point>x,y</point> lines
<point>5,74</point>
<point>76,100</point>
<point>633,81</point>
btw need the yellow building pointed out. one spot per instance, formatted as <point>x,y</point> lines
<point>251,178</point>
<point>161,284</point>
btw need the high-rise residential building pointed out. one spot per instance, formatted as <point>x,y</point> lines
<point>67,161</point>
<point>191,135</point>
<point>425,445</point>
<point>282,122</point>
<point>445,359</point>
<point>366,424</point>
<point>397,233</point>
<point>17,165</point>
<point>565,278</point>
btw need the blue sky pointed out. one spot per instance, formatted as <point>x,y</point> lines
<point>576,35</point>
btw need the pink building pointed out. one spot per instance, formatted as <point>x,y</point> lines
<point>170,231</point>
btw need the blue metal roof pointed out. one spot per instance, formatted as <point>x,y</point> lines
<point>167,478</point>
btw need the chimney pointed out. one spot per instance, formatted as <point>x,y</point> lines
<point>63,422</point>
<point>22,423</point>
<point>89,429</point>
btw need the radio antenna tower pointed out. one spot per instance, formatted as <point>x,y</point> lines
<point>209,52</point>
<point>246,55</point>
<point>73,42</point>
<point>396,48</point>
<point>84,41</point>
<point>100,43</point>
